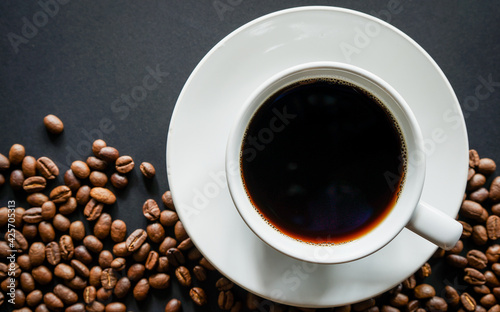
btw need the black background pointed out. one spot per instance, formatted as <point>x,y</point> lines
<point>88,54</point>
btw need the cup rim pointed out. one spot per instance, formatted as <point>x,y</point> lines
<point>248,212</point>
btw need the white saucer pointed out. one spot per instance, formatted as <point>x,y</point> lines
<point>218,87</point>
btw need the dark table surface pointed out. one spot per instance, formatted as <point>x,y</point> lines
<point>79,58</point>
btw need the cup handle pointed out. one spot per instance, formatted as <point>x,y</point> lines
<point>435,226</point>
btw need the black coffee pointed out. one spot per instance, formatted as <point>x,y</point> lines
<point>323,161</point>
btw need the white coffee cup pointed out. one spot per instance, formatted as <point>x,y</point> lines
<point>409,211</point>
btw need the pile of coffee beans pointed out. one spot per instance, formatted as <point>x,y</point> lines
<point>53,260</point>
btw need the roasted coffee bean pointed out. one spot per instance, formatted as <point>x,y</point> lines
<point>42,275</point>
<point>491,279</point>
<point>136,272</point>
<point>28,166</point>
<point>71,181</point>
<point>4,216</point>
<point>206,264</point>
<point>108,278</point>
<point>2,179</point>
<point>89,294</point>
<point>95,163</point>
<point>83,195</point>
<point>488,301</point>
<point>122,287</point>
<point>119,181</point>
<point>436,304</point>
<point>82,254</point>
<point>49,210</point>
<point>34,298</point>
<point>33,215</point>
<point>16,154</point>
<point>185,244</point>
<point>60,194</point>
<point>175,257</point>
<point>19,212</point>
<point>47,168</point>
<point>103,195</point>
<point>495,190</point>
<point>80,169</point>
<point>141,289</point>
<point>16,179</point>
<point>46,231</point>
<point>200,273</point>
<point>159,281</point>
<point>61,223</point>
<point>17,239</point>
<point>474,277</point>
<point>30,231</point>
<point>226,300</point>
<point>120,250</point>
<point>68,207</point>
<point>480,195</point>
<point>119,264</point>
<point>104,294</point>
<point>98,178</point>
<point>493,227</point>
<point>253,301</point>
<point>223,284</point>
<point>5,249</point>
<point>97,145</point>
<point>151,260</point>
<point>37,199</point>
<point>151,210</point>
<point>124,164</point>
<point>109,154</point>
<point>495,209</point>
<point>476,182</point>
<point>53,124</point>
<point>64,271</point>
<point>198,296</point>
<point>93,210</point>
<point>424,291</point>
<point>167,200</point>
<point>477,259</point>
<point>459,246</point>
<point>7,283</point>
<point>76,283</point>
<point>95,306</point>
<point>136,239</point>
<point>168,218</point>
<point>174,305</point>
<point>481,289</point>
<point>180,232</point>
<point>77,230</point>
<point>92,243</point>
<point>468,302</point>
<point>183,276</point>
<point>118,231</point>
<point>473,158</point>
<point>53,253</point>
<point>156,232</point>
<point>95,276</point>
<point>80,268</point>
<point>53,302</point>
<point>115,307</point>
<point>37,253</point>
<point>495,267</point>
<point>479,235</point>
<point>67,296</point>
<point>103,226</point>
<point>27,282</point>
<point>472,210</point>
<point>77,307</point>
<point>162,266</point>
<point>4,162</point>
<point>34,184</point>
<point>486,166</point>
<point>105,258</point>
<point>451,295</point>
<point>148,170</point>
<point>167,243</point>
